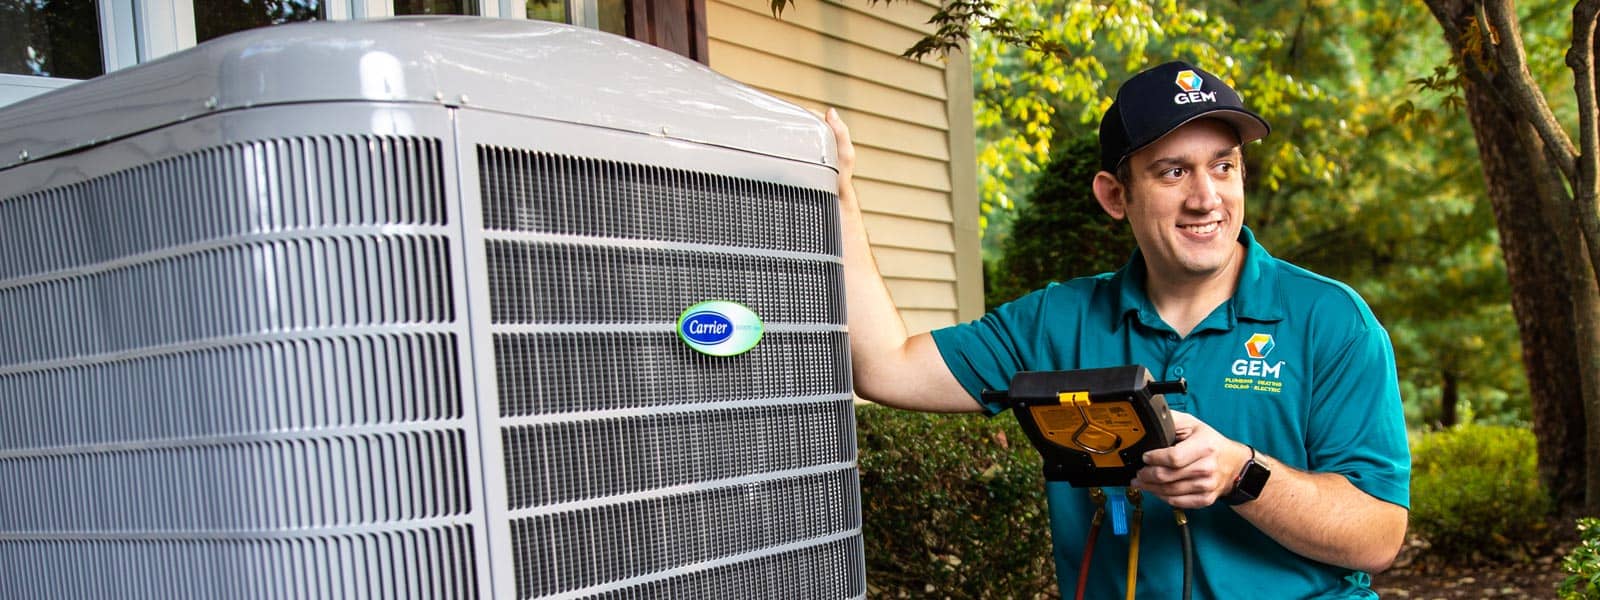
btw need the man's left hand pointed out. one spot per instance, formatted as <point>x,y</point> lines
<point>1197,470</point>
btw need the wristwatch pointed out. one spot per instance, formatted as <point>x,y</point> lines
<point>1247,486</point>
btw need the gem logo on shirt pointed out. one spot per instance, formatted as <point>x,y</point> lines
<point>1256,372</point>
<point>1259,345</point>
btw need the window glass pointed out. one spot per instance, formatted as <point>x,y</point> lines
<point>216,18</point>
<point>435,7</point>
<point>50,38</point>
<point>548,10</point>
<point>614,16</point>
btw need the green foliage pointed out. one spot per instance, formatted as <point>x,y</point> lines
<point>1025,95</point>
<point>1370,175</point>
<point>1475,492</point>
<point>953,504</point>
<point>1583,564</point>
<point>1061,232</point>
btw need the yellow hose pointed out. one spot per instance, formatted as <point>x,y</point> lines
<point>1133,544</point>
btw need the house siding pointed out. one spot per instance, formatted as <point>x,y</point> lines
<point>911,121</point>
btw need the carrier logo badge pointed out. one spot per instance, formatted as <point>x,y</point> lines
<point>1189,80</point>
<point>720,328</point>
<point>1259,345</point>
<point>706,327</point>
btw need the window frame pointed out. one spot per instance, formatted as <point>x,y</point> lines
<point>136,31</point>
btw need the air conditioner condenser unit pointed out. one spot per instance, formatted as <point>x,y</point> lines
<point>422,308</point>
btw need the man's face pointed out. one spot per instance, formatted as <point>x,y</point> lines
<point>1185,201</point>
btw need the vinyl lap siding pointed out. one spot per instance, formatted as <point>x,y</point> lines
<point>911,125</point>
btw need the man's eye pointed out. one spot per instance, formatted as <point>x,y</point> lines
<point>1173,173</point>
<point>1226,167</point>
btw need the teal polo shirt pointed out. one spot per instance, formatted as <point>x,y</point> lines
<point>1294,364</point>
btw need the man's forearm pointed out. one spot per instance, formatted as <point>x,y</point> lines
<point>1322,516</point>
<point>890,367</point>
<point>876,330</point>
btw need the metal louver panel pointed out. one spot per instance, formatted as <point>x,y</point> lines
<point>347,565</point>
<point>591,197</point>
<point>234,372</point>
<point>274,186</point>
<point>549,373</point>
<point>636,467</point>
<point>629,540</point>
<point>829,570</point>
<point>534,282</point>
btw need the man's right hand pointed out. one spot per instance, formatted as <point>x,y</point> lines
<point>847,149</point>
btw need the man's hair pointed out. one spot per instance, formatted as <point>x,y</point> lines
<point>1125,174</point>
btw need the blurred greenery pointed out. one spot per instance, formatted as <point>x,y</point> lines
<point>953,504</point>
<point>1060,232</point>
<point>1370,175</point>
<point>1583,564</point>
<point>1475,493</point>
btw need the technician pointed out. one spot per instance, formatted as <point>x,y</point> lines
<point>1291,464</point>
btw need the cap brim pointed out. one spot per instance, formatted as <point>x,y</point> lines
<point>1250,126</point>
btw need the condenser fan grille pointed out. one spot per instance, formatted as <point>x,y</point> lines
<point>635,464</point>
<point>231,372</point>
<point>537,191</point>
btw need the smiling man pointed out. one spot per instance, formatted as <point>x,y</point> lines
<point>1291,457</point>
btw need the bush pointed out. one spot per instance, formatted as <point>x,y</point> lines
<point>953,505</point>
<point>1475,493</point>
<point>1583,564</point>
<point>1060,232</point>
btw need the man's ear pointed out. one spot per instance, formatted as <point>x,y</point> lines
<point>1112,195</point>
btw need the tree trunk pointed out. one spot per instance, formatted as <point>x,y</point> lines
<point>1558,210</point>
<point>1587,304</point>
<point>1542,292</point>
<point>1539,273</point>
<point>1449,400</point>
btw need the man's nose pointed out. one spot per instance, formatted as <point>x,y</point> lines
<point>1202,193</point>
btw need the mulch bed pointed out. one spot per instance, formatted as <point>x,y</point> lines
<point>1417,575</point>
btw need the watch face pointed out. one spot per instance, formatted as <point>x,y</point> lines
<point>1255,478</point>
<point>1250,483</point>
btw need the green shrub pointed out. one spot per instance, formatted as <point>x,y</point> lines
<point>1583,564</point>
<point>953,507</point>
<point>1475,493</point>
<point>1060,232</point>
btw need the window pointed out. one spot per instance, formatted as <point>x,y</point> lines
<point>45,44</point>
<point>435,7</point>
<point>547,10</point>
<point>50,38</point>
<point>216,18</point>
<point>613,16</point>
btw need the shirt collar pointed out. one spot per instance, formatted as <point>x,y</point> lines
<point>1258,281</point>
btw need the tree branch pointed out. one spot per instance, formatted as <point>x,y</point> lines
<point>1580,57</point>
<point>1524,96</point>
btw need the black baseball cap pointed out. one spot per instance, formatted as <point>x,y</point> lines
<point>1163,98</point>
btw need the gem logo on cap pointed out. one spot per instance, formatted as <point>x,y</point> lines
<point>1189,80</point>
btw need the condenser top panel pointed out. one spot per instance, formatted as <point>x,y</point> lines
<point>523,67</point>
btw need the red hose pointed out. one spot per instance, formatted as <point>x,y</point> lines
<point>1088,550</point>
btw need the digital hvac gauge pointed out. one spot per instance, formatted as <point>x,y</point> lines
<point>1092,426</point>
